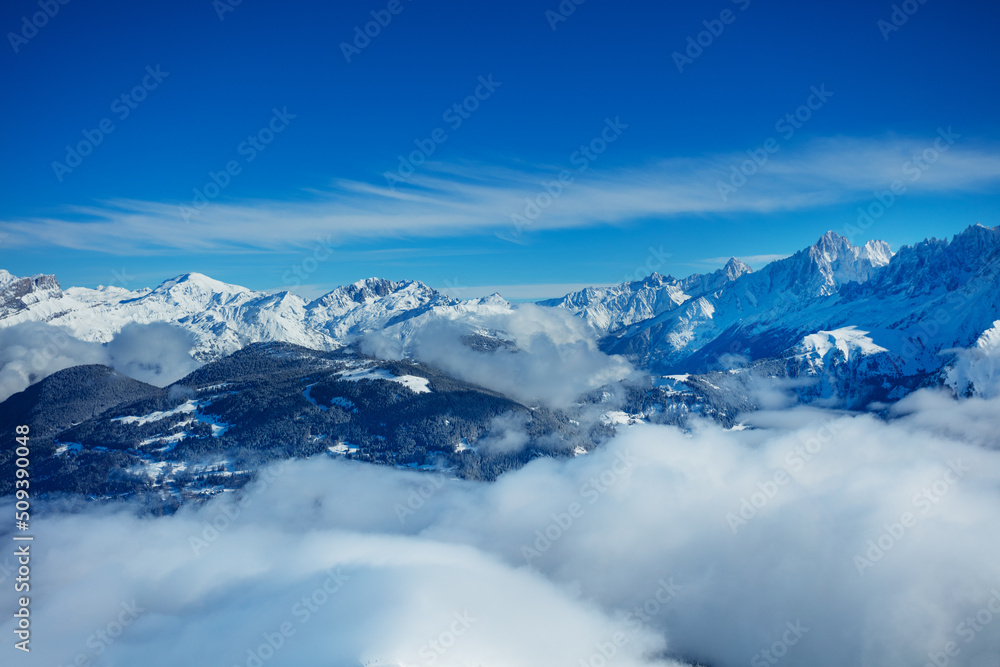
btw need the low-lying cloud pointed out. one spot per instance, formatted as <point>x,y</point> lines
<point>156,353</point>
<point>553,359</point>
<point>818,538</point>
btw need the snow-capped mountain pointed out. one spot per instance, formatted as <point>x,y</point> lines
<point>914,307</point>
<point>382,305</point>
<point>670,339</point>
<point>611,308</point>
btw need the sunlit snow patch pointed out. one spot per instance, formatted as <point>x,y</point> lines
<point>417,385</point>
<point>187,406</point>
<point>617,417</point>
<point>73,447</point>
<point>848,340</point>
<point>343,448</point>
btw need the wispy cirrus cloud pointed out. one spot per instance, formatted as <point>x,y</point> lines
<point>452,199</point>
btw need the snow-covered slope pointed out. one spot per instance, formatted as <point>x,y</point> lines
<point>848,367</point>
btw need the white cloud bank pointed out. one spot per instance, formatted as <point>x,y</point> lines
<point>156,353</point>
<point>819,539</point>
<point>556,359</point>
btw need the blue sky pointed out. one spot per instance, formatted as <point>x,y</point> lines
<point>266,91</point>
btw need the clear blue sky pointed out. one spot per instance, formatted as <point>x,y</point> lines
<point>321,179</point>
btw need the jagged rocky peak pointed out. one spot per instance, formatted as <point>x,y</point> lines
<point>40,281</point>
<point>840,262</point>
<point>878,252</point>
<point>370,289</point>
<point>655,279</point>
<point>19,293</point>
<point>976,238</point>
<point>832,247</point>
<point>934,264</point>
<point>735,268</point>
<point>702,283</point>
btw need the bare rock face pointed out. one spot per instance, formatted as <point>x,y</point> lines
<point>17,294</point>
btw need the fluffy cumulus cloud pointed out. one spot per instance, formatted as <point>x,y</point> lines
<point>155,353</point>
<point>32,351</point>
<point>817,538</point>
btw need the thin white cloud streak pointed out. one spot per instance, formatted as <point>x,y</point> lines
<point>453,199</point>
<point>529,291</point>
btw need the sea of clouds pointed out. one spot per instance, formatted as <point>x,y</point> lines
<point>816,538</point>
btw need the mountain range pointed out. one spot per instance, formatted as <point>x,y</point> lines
<point>830,305</point>
<point>848,326</point>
